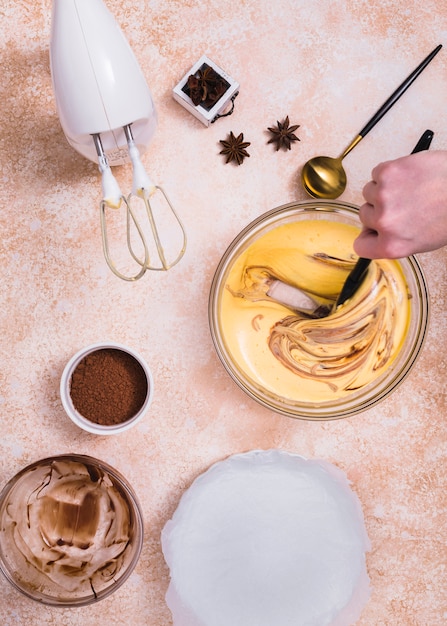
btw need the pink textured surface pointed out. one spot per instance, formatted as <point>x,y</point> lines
<point>328,65</point>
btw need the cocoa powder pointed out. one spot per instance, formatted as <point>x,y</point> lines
<point>108,386</point>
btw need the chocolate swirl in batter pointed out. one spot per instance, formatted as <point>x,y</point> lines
<point>339,348</point>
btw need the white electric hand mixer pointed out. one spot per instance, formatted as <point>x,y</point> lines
<point>107,114</point>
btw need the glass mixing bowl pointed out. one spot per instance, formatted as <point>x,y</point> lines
<point>71,530</point>
<point>333,367</point>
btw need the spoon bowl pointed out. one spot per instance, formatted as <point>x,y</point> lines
<point>324,177</point>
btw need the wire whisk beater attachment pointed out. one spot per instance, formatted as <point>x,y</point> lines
<point>155,235</point>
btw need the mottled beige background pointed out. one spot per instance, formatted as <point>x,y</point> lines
<point>329,65</point>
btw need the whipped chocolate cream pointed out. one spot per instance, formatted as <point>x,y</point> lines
<point>67,527</point>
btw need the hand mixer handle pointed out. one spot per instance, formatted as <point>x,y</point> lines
<point>97,81</point>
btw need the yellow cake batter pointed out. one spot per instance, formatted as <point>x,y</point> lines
<point>301,359</point>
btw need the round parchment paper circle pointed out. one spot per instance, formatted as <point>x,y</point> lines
<point>267,538</point>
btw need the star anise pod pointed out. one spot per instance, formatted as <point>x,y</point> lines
<point>206,86</point>
<point>234,148</point>
<point>283,134</point>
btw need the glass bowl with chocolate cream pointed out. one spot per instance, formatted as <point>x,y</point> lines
<point>293,361</point>
<point>71,530</point>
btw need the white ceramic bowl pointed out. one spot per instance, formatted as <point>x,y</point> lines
<point>82,421</point>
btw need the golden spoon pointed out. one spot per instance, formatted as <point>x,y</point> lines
<point>324,177</point>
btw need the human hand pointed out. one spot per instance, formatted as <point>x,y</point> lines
<point>405,208</point>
